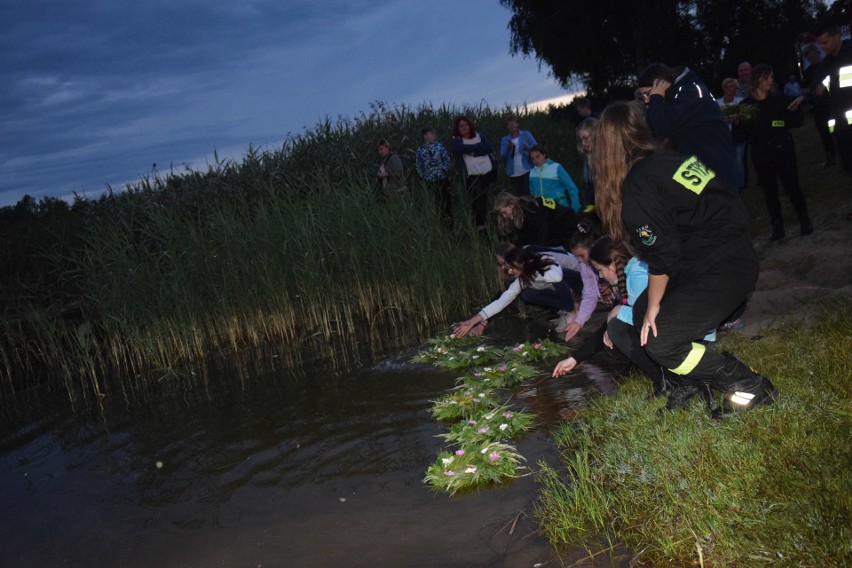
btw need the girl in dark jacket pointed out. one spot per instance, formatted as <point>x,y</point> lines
<point>772,150</point>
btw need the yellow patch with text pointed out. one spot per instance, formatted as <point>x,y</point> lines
<point>693,175</point>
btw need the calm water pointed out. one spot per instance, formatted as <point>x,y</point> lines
<point>316,467</point>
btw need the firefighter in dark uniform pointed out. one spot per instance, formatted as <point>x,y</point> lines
<point>693,232</point>
<point>833,78</point>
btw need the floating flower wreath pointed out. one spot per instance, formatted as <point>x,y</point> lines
<point>474,465</point>
<point>492,426</point>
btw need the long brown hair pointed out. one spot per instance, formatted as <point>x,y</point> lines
<point>528,264</point>
<point>605,251</point>
<point>622,139</point>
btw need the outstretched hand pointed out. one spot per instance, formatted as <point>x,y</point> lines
<point>572,330</point>
<point>474,326</point>
<point>564,366</point>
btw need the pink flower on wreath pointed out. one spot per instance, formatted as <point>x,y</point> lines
<point>459,452</point>
<point>516,349</point>
<point>483,430</point>
<point>449,473</point>
<point>537,345</point>
<point>502,368</point>
<point>472,422</point>
<point>494,456</point>
<point>507,415</point>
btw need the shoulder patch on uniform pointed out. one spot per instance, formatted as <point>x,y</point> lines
<point>646,235</point>
<point>693,175</point>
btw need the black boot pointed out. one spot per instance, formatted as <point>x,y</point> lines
<point>777,230</point>
<point>743,387</point>
<point>683,391</point>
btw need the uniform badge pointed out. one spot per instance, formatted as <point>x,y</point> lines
<point>693,175</point>
<point>646,235</point>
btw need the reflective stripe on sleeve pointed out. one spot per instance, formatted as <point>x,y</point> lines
<point>691,360</point>
<point>831,123</point>
<point>844,76</point>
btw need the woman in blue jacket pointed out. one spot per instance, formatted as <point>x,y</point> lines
<point>551,183</point>
<point>514,150</point>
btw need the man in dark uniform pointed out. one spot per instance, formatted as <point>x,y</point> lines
<point>684,116</point>
<point>834,78</point>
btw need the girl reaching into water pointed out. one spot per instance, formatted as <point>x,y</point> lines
<point>618,265</point>
<point>526,268</point>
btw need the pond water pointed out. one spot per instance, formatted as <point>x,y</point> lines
<point>311,467</point>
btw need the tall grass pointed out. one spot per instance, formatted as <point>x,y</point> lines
<point>288,244</point>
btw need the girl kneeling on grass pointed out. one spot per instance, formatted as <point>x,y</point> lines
<point>694,234</point>
<point>526,268</point>
<point>629,276</point>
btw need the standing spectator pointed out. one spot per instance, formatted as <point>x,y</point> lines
<point>472,153</point>
<point>684,116</point>
<point>837,62</point>
<point>743,79</point>
<point>551,183</point>
<point>729,98</point>
<point>772,150</point>
<point>584,109</point>
<point>791,87</point>
<point>433,166</point>
<point>514,148</point>
<point>585,143</point>
<point>391,174</point>
<point>820,105</point>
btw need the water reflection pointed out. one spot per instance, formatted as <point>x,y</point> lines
<point>261,463</point>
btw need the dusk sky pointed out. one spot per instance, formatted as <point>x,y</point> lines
<point>94,92</point>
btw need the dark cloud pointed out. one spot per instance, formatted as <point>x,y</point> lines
<point>94,91</point>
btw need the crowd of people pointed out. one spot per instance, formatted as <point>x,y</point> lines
<point>659,237</point>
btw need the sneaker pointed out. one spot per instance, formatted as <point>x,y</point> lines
<point>565,319</point>
<point>733,325</point>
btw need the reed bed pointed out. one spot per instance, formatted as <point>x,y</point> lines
<point>289,244</point>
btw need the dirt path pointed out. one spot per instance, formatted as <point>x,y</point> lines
<point>797,273</point>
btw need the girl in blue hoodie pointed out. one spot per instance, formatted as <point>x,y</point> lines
<point>550,182</point>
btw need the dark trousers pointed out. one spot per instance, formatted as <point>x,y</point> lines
<point>694,304</point>
<point>561,297</point>
<point>520,184</point>
<point>781,164</point>
<point>821,116</point>
<point>625,340</point>
<point>843,142</point>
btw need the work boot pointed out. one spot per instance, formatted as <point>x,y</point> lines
<point>683,391</point>
<point>777,230</point>
<point>744,388</point>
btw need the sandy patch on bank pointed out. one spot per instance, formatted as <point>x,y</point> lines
<point>799,273</point>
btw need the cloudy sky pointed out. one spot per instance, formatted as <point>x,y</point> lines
<point>93,92</point>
